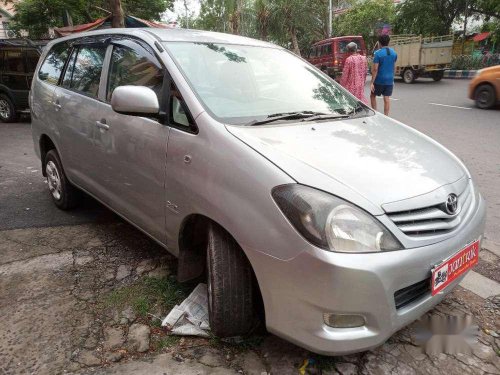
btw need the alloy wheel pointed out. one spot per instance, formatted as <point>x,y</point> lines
<point>53,180</point>
<point>483,98</point>
<point>4,109</point>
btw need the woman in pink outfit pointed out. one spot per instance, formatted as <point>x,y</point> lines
<point>354,73</point>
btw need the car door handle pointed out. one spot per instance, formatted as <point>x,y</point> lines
<point>57,106</point>
<point>102,125</point>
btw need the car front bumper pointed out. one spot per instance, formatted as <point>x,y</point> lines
<point>297,292</point>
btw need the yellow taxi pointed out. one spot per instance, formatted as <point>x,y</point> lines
<point>485,87</point>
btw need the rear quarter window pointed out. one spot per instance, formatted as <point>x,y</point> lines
<point>32,57</point>
<point>52,67</point>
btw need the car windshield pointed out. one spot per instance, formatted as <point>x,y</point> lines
<point>245,84</point>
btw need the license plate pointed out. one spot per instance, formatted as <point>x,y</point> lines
<point>443,274</point>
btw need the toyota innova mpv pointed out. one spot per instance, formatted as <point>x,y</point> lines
<point>298,203</point>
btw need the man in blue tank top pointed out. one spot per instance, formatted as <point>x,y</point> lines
<point>384,61</point>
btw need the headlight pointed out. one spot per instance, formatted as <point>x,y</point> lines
<point>332,223</point>
<point>479,72</point>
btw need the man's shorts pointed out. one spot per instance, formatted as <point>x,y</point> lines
<point>384,90</point>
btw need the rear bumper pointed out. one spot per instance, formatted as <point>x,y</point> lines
<point>299,291</point>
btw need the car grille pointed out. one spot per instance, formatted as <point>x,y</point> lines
<point>411,293</point>
<point>432,220</point>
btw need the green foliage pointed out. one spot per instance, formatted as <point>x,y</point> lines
<point>296,24</point>
<point>428,17</point>
<point>493,27</point>
<point>148,294</point>
<point>436,17</point>
<point>291,23</point>
<point>165,342</point>
<point>468,62</point>
<point>364,18</point>
<point>36,16</point>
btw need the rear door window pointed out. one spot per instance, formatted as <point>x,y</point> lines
<point>326,50</point>
<point>14,61</point>
<point>66,82</point>
<point>314,51</point>
<point>52,67</point>
<point>86,71</point>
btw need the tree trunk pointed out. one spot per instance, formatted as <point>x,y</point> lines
<point>263,32</point>
<point>117,19</point>
<point>295,41</point>
<point>67,20</point>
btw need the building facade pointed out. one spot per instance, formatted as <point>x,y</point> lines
<point>7,11</point>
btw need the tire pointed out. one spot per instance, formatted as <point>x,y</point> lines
<point>409,75</point>
<point>63,193</point>
<point>8,111</point>
<point>230,286</point>
<point>485,96</point>
<point>437,75</point>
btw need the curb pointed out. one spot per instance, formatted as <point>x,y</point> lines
<point>460,74</point>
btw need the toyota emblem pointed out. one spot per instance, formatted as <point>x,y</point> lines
<point>451,204</point>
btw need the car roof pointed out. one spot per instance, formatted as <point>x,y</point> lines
<point>174,35</point>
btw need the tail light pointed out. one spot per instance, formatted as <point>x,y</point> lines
<point>335,62</point>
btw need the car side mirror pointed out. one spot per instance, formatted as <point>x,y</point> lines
<point>135,101</point>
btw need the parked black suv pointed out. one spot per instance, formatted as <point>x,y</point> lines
<point>18,59</point>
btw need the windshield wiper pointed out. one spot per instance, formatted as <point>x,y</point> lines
<point>285,116</point>
<point>329,116</point>
<point>357,110</point>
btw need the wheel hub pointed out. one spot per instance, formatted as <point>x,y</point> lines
<point>483,97</point>
<point>4,109</point>
<point>53,180</point>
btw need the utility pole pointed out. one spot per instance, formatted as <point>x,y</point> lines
<point>187,18</point>
<point>330,10</point>
<point>465,25</point>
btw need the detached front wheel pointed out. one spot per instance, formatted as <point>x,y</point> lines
<point>230,285</point>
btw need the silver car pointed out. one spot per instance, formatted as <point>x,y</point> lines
<point>335,224</point>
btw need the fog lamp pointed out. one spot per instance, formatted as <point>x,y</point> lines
<point>343,320</point>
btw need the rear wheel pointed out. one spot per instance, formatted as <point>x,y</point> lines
<point>437,75</point>
<point>7,109</point>
<point>64,194</point>
<point>485,96</point>
<point>409,75</point>
<point>230,285</point>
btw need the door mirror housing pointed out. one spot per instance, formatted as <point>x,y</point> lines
<point>135,101</point>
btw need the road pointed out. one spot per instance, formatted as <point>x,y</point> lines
<point>443,111</point>
<point>62,273</point>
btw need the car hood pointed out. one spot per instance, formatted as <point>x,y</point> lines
<point>378,158</point>
<point>491,69</point>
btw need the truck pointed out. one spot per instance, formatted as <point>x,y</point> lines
<point>422,56</point>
